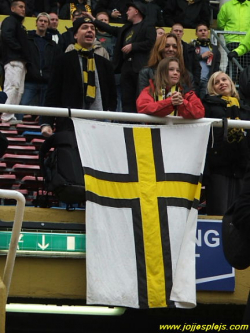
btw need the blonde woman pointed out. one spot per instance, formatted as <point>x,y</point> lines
<point>228,150</point>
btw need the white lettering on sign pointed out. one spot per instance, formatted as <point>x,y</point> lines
<point>210,238</point>
<point>20,240</point>
<point>43,246</point>
<point>71,243</point>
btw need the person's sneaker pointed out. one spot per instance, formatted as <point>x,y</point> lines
<point>13,121</point>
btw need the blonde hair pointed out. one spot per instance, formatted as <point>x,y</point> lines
<point>211,82</point>
<point>43,14</point>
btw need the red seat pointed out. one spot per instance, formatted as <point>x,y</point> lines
<point>7,181</point>
<point>4,125</point>
<point>37,142</point>
<point>12,159</point>
<point>16,140</point>
<point>21,149</point>
<point>31,183</point>
<point>3,166</point>
<point>24,127</point>
<point>25,169</point>
<point>10,132</point>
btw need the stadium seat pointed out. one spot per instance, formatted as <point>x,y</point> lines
<point>12,159</point>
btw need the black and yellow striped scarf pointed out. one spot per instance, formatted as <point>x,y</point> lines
<point>167,92</point>
<point>88,73</point>
<point>234,134</point>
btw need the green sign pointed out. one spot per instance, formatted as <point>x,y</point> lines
<point>45,242</point>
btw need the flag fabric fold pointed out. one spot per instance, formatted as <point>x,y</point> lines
<point>143,185</point>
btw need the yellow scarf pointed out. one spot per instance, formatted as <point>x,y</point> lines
<point>234,134</point>
<point>165,93</point>
<point>88,73</point>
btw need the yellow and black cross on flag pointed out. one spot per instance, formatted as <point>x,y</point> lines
<point>142,188</point>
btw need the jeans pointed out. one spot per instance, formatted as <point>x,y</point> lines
<point>34,94</point>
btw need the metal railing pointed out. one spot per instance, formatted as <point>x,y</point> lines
<point>118,116</point>
<point>237,65</point>
<point>11,256</point>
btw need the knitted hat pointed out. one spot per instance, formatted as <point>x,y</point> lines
<point>78,22</point>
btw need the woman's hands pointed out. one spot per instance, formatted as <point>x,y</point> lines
<point>177,98</point>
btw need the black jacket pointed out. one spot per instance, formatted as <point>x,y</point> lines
<point>179,11</point>
<point>14,39</point>
<point>109,5</point>
<point>68,38</point>
<point>39,69</point>
<point>55,32</point>
<point>191,62</point>
<point>142,42</point>
<point>66,88</point>
<point>153,13</point>
<point>226,158</point>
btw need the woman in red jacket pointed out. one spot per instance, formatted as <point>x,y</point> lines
<point>167,95</point>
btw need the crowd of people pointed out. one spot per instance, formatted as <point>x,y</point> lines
<point>134,67</point>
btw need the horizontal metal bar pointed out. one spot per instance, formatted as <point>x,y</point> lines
<point>65,309</point>
<point>119,116</point>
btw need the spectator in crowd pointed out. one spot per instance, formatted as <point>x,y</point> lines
<point>187,12</point>
<point>166,46</point>
<point>159,32</point>
<point>5,7</point>
<point>191,62</point>
<point>234,15</point>
<point>15,56</point>
<point>68,35</point>
<point>80,79</point>
<point>44,52</point>
<point>68,9</point>
<point>153,13</point>
<point>108,41</point>
<point>228,152</point>
<point>134,42</point>
<point>98,48</point>
<point>167,94</point>
<point>115,9</point>
<point>208,56</point>
<point>52,29</point>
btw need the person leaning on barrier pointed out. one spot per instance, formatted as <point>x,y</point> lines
<point>167,94</point>
<point>80,79</point>
<point>228,150</point>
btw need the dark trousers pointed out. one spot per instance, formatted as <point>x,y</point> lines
<point>129,87</point>
<point>221,191</point>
